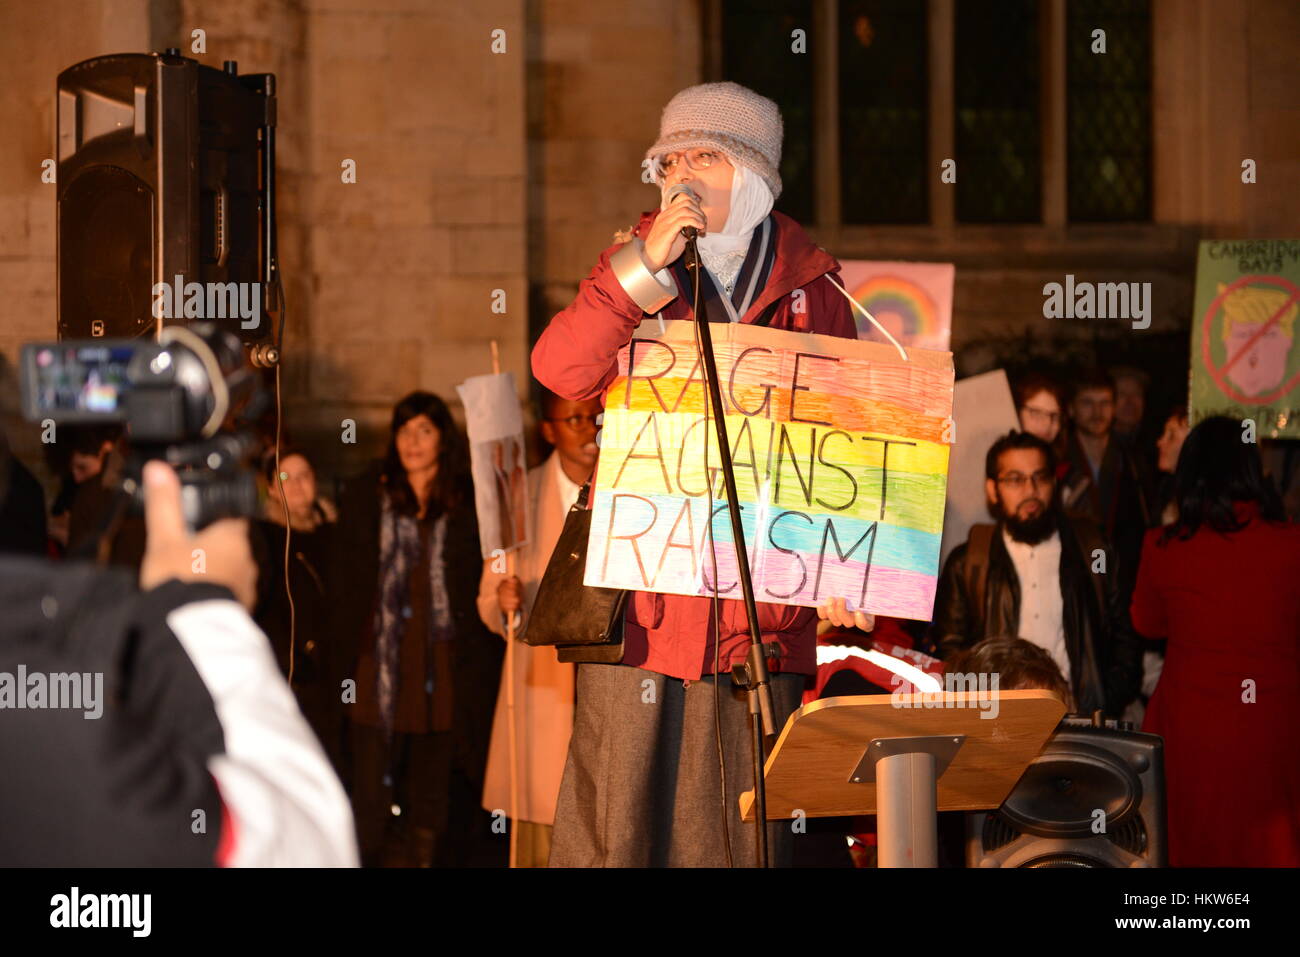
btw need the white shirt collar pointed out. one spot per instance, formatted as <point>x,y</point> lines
<point>568,490</point>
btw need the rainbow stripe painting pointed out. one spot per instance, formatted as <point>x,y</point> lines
<point>841,457</point>
<point>912,300</point>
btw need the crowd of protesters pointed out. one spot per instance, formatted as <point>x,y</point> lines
<point>1136,567</point>
<point>1150,566</point>
<point>1160,574</point>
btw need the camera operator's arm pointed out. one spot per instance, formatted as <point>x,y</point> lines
<point>286,803</point>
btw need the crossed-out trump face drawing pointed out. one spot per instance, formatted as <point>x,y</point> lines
<point>1259,367</point>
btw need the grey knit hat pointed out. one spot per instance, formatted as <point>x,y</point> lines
<point>731,118</point>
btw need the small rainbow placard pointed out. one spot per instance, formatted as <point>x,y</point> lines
<point>912,300</point>
<point>841,458</point>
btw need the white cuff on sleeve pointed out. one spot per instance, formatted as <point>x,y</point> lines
<point>650,291</point>
<point>288,807</point>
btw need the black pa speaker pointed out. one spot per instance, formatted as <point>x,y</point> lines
<point>165,169</point>
<point>1095,797</point>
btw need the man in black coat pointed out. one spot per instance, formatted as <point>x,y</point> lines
<point>1040,576</point>
<point>1107,481</point>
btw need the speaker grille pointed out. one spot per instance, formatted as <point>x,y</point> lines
<point>105,255</point>
<point>1129,835</point>
<point>1065,859</point>
<point>998,832</point>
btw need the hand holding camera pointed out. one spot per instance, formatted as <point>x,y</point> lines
<point>218,555</point>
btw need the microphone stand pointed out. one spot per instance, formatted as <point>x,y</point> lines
<point>752,674</point>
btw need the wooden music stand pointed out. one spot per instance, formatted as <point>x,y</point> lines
<point>904,758</point>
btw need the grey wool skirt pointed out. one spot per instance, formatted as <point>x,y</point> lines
<point>642,784</point>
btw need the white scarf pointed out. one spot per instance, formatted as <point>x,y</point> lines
<point>723,252</point>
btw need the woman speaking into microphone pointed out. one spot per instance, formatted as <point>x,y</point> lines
<point>642,784</point>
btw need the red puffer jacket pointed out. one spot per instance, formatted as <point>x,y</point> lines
<point>576,357</point>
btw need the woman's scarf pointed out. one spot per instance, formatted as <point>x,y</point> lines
<point>723,252</point>
<point>399,551</point>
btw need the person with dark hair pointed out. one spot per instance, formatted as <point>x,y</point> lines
<point>1040,576</point>
<point>309,530</point>
<point>543,685</point>
<point>407,569</point>
<point>1019,665</point>
<point>1220,584</point>
<point>1106,482</point>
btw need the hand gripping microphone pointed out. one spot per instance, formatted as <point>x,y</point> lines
<point>690,232</point>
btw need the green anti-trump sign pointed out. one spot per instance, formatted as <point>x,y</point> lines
<point>1245,362</point>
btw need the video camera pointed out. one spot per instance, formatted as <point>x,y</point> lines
<point>177,398</point>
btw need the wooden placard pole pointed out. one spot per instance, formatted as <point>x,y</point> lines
<point>510,688</point>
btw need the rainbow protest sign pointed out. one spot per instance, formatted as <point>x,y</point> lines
<point>841,457</point>
<point>912,300</point>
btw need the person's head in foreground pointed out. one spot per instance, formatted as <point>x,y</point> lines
<point>1020,485</point>
<point>1019,665</point>
<point>1220,482</point>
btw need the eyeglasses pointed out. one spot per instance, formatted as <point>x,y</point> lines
<point>1017,480</point>
<point>696,159</point>
<point>576,422</point>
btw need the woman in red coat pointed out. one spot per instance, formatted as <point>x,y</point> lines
<point>1221,585</point>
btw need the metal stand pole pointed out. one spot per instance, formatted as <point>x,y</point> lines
<point>906,773</point>
<point>752,674</point>
<point>905,811</point>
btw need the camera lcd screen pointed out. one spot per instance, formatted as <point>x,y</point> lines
<point>78,381</point>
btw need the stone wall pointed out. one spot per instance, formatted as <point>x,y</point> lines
<point>36,43</point>
<point>402,265</point>
<point>599,75</point>
<point>390,279</point>
<point>481,171</point>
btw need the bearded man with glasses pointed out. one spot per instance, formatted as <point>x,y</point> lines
<point>1043,577</point>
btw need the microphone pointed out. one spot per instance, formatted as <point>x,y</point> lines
<point>690,232</point>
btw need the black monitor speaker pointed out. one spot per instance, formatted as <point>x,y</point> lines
<point>165,169</point>
<point>1094,797</point>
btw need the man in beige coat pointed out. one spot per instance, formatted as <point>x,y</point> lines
<point>543,686</point>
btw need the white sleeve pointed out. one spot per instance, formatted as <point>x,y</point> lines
<point>288,807</point>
